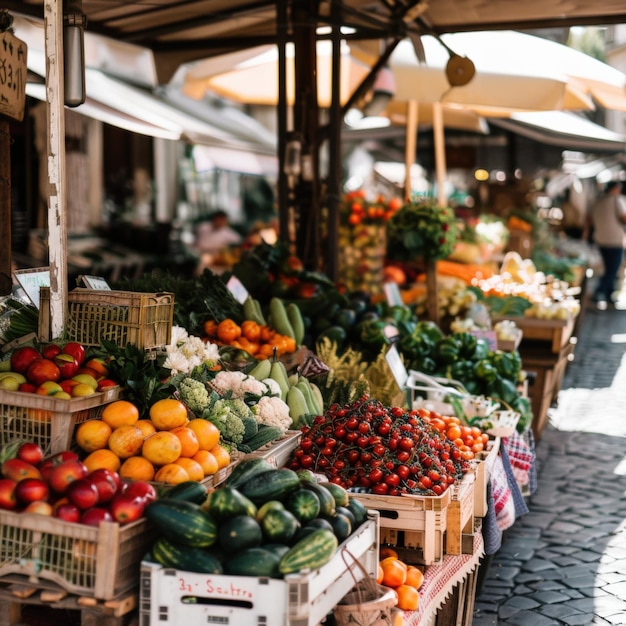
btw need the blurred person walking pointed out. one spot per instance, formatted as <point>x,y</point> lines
<point>606,221</point>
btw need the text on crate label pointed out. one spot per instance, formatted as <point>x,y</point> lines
<point>229,590</point>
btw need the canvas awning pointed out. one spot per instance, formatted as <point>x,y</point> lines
<point>567,130</point>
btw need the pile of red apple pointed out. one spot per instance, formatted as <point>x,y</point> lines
<point>61,486</point>
<point>59,371</point>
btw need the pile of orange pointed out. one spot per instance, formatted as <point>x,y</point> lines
<point>167,448</point>
<point>259,340</point>
<point>404,579</point>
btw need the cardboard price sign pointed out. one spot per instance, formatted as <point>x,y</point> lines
<point>12,76</point>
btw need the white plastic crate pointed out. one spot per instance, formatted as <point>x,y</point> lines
<point>170,596</point>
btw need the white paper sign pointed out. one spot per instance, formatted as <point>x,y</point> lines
<point>392,293</point>
<point>95,282</point>
<point>396,366</point>
<point>32,280</point>
<point>236,287</point>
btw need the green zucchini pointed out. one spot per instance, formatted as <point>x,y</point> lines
<point>171,554</point>
<point>339,493</point>
<point>274,484</point>
<point>310,553</point>
<point>264,435</point>
<point>245,469</point>
<point>183,522</point>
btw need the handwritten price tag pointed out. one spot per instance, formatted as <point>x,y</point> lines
<point>12,76</point>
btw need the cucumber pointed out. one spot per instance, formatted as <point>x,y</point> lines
<point>227,502</point>
<point>171,554</point>
<point>257,561</point>
<point>310,553</point>
<point>327,501</point>
<point>245,469</point>
<point>183,522</point>
<point>274,484</point>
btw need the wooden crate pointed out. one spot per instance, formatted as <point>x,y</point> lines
<point>49,422</point>
<point>556,333</point>
<point>100,562</point>
<point>423,529</point>
<point>484,465</point>
<point>278,452</point>
<point>122,317</point>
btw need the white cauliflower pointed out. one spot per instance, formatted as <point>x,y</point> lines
<point>253,386</point>
<point>272,386</point>
<point>272,411</point>
<point>226,381</point>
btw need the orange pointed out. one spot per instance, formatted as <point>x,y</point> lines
<point>414,577</point>
<point>137,468</point>
<point>408,597</point>
<point>394,572</point>
<point>161,448</point>
<point>126,441</point>
<point>168,413</point>
<point>93,435</point>
<point>221,454</point>
<point>386,551</point>
<point>193,468</point>
<point>120,413</point>
<point>207,461</point>
<point>102,459</point>
<point>188,441</point>
<point>207,433</point>
<point>147,427</point>
<point>171,474</point>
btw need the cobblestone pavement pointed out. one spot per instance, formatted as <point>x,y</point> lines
<point>565,561</point>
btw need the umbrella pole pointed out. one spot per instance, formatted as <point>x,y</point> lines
<point>440,153</point>
<point>410,146</point>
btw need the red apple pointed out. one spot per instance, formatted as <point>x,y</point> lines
<point>67,364</point>
<point>40,507</point>
<point>77,350</point>
<point>125,508</point>
<point>67,385</point>
<point>22,357</point>
<point>105,383</point>
<point>32,490</point>
<point>27,388</point>
<point>41,371</point>
<point>68,512</point>
<point>82,493</point>
<point>50,350</point>
<point>63,475</point>
<point>30,453</point>
<point>17,470</point>
<point>95,515</point>
<point>106,482</point>
<point>142,489</point>
<point>8,499</point>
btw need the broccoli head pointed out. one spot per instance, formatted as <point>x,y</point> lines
<point>224,414</point>
<point>194,395</point>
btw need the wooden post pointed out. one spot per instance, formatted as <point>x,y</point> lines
<point>432,305</point>
<point>410,146</point>
<point>5,207</point>
<point>12,103</point>
<point>57,192</point>
<point>440,153</point>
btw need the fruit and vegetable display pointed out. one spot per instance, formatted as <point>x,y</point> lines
<point>64,487</point>
<point>385,450</point>
<point>262,521</point>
